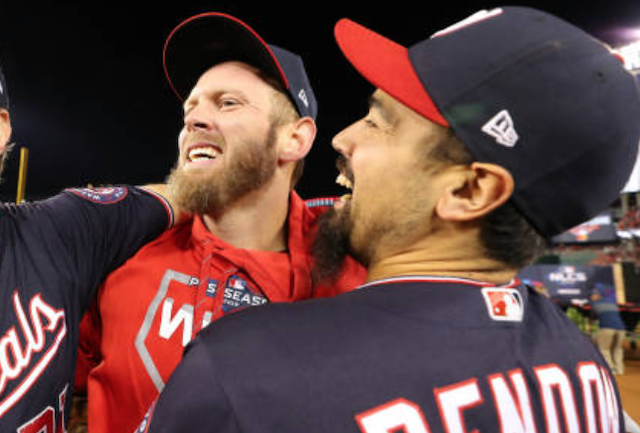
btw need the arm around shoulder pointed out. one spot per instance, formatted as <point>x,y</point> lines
<point>161,189</point>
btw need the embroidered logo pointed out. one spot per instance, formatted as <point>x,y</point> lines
<point>302,95</point>
<point>107,195</point>
<point>239,294</point>
<point>501,128</point>
<point>475,18</point>
<point>503,304</point>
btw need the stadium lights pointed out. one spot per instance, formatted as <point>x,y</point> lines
<point>631,55</point>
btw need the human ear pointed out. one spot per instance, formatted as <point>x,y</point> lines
<point>297,139</point>
<point>5,127</point>
<point>474,192</point>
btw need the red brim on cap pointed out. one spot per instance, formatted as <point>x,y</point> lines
<point>386,65</point>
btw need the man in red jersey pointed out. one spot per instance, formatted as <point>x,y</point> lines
<point>249,122</point>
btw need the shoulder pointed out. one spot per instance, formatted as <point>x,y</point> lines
<point>167,248</point>
<point>261,326</point>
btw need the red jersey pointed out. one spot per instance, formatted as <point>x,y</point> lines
<point>151,307</point>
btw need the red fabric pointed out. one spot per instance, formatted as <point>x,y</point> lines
<point>160,298</point>
<point>386,64</point>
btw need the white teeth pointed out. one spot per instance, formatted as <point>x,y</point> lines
<point>342,180</point>
<point>202,153</point>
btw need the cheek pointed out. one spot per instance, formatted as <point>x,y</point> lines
<point>181,139</point>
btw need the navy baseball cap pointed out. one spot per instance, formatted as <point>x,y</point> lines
<point>4,96</point>
<point>525,90</point>
<point>207,39</point>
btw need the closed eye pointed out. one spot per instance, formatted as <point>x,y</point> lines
<point>226,103</point>
<point>370,123</point>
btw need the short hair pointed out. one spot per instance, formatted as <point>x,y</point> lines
<point>505,234</point>
<point>283,112</point>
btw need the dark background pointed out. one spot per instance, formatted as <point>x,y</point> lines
<point>89,98</point>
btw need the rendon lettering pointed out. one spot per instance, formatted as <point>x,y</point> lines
<point>511,401</point>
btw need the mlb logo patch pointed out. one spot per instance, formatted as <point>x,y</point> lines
<point>236,283</point>
<point>504,305</point>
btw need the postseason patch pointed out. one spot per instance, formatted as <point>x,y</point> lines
<point>108,195</point>
<point>239,294</point>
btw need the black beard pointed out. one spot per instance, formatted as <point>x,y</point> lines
<point>331,245</point>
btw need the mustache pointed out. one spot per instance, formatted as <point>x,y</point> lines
<point>203,136</point>
<point>344,167</point>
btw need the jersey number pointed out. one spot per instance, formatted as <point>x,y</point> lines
<point>45,421</point>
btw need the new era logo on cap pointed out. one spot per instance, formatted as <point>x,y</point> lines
<point>502,129</point>
<point>569,101</point>
<point>477,17</point>
<point>302,95</point>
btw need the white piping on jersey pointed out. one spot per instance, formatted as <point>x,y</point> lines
<point>429,279</point>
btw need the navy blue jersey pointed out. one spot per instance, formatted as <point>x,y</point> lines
<point>53,255</point>
<point>411,355</point>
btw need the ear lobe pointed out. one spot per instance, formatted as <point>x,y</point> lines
<point>298,139</point>
<point>476,192</point>
<point>5,127</point>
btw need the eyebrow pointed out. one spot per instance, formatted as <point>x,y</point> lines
<point>384,112</point>
<point>192,100</point>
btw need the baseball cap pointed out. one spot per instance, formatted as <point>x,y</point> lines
<point>525,90</point>
<point>207,39</point>
<point>4,96</point>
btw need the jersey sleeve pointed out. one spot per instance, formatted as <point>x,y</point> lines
<point>86,233</point>
<point>192,399</point>
<point>106,226</point>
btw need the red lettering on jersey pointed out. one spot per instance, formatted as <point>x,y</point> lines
<point>554,381</point>
<point>44,422</point>
<point>453,400</point>
<point>513,408</point>
<point>593,395</point>
<point>393,416</point>
<point>513,404</point>
<point>16,359</point>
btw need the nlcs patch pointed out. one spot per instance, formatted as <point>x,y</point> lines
<point>107,195</point>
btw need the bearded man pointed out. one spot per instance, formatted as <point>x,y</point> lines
<point>248,123</point>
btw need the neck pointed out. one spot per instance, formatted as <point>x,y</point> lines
<point>257,221</point>
<point>441,254</point>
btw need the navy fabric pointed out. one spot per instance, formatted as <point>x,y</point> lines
<point>325,365</point>
<point>53,255</point>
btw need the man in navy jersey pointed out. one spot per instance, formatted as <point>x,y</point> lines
<point>53,255</point>
<point>482,141</point>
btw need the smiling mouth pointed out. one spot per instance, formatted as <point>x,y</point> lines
<point>344,181</point>
<point>345,178</point>
<point>201,153</point>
